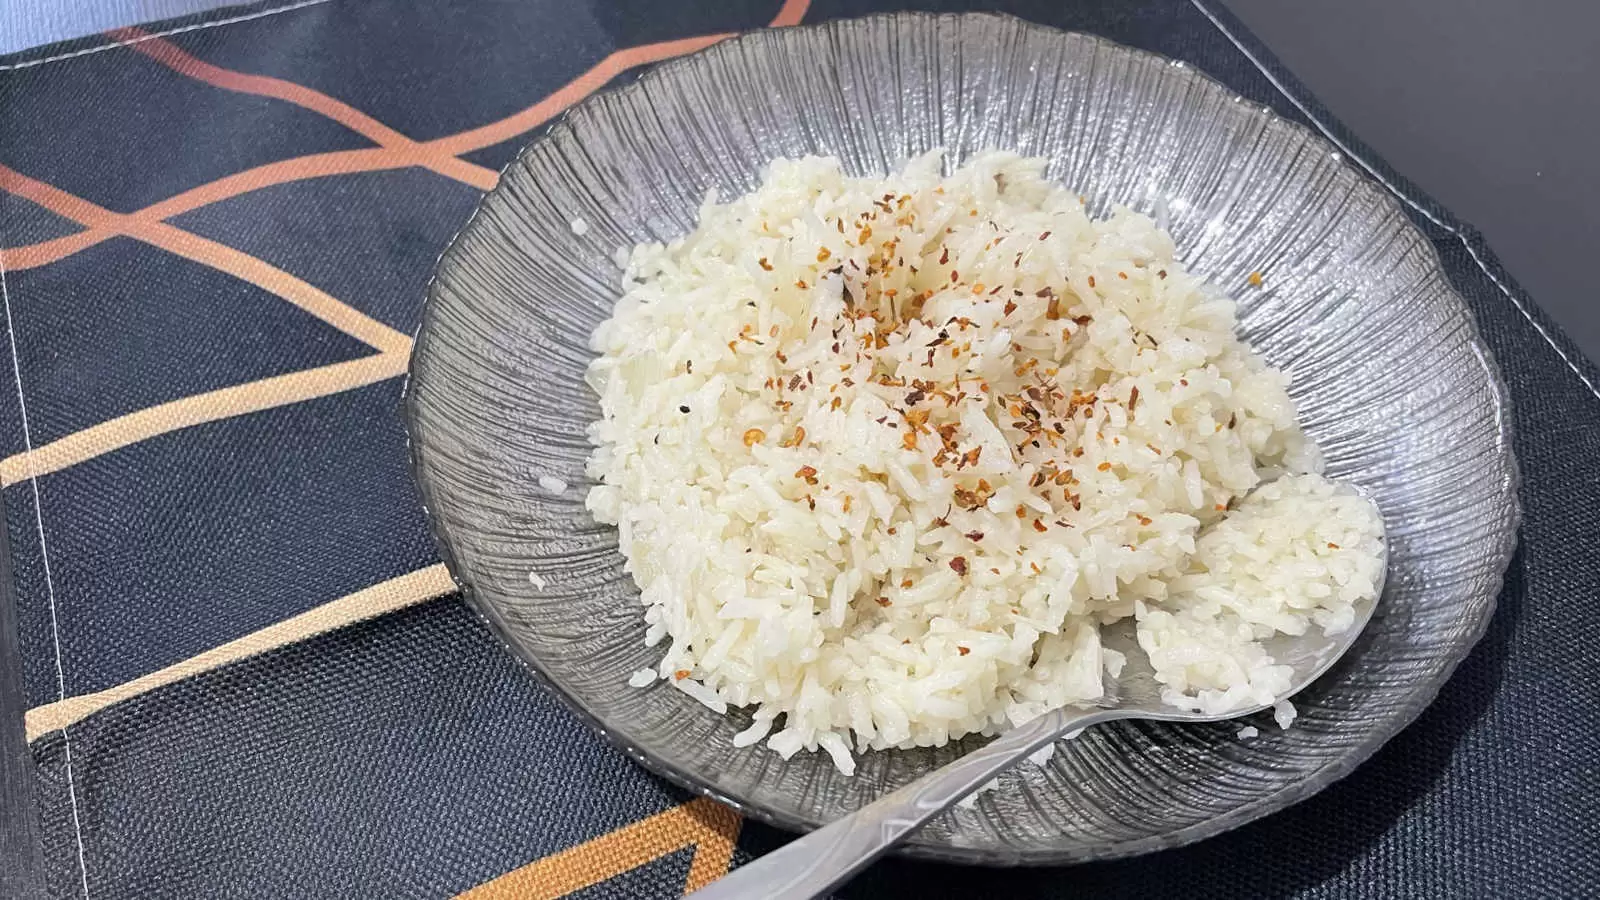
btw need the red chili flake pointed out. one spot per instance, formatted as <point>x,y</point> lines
<point>1123,275</point>
<point>807,473</point>
<point>1133,398</point>
<point>1010,307</point>
<point>976,536</point>
<point>1039,526</point>
<point>681,674</point>
<point>811,502</point>
<point>1332,546</point>
<point>1022,512</point>
<point>1144,520</point>
<point>891,529</point>
<point>1104,467</point>
<point>954,276</point>
<point>885,601</point>
<point>1035,567</point>
<point>1183,381</point>
<point>764,264</point>
<point>959,565</point>
<point>1220,507</point>
<point>1091,281</point>
<point>962,650</point>
<point>1044,236</point>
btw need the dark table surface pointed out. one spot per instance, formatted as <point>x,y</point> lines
<point>1489,106</point>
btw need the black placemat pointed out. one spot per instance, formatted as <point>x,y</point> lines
<point>245,674</point>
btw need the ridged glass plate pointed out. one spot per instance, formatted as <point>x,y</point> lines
<point>1385,360</point>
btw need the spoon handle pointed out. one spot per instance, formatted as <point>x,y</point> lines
<point>812,865</point>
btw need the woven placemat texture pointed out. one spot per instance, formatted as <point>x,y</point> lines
<point>246,673</point>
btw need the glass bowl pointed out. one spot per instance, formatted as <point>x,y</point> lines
<point>1385,361</point>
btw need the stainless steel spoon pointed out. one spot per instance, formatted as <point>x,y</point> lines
<point>814,864</point>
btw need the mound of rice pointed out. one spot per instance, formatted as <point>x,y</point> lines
<point>884,454</point>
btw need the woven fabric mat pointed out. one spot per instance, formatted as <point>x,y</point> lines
<point>245,671</point>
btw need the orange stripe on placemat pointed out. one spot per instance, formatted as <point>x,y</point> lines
<point>221,257</point>
<point>254,396</point>
<point>375,159</point>
<point>706,825</point>
<point>387,596</point>
<point>180,61</point>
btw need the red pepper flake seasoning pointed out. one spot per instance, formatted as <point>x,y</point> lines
<point>891,529</point>
<point>954,276</point>
<point>1254,279</point>
<point>905,583</point>
<point>836,403</point>
<point>754,436</point>
<point>1022,511</point>
<point>1010,307</point>
<point>764,264</point>
<point>1044,236</point>
<point>680,675</point>
<point>795,440</point>
<point>1133,398</point>
<point>974,536</point>
<point>1035,567</point>
<point>885,601</point>
<point>1161,274</point>
<point>962,650</point>
<point>807,473</point>
<point>1091,281</point>
<point>1144,520</point>
<point>1123,275</point>
<point>811,502</point>
<point>1039,526</point>
<point>978,288</point>
<point>1220,507</point>
<point>959,565</point>
<point>1104,467</point>
<point>823,253</point>
<point>781,357</point>
<point>1183,381</point>
<point>1332,546</point>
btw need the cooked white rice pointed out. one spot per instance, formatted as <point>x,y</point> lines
<point>885,453</point>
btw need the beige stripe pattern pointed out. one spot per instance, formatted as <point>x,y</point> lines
<point>267,393</point>
<point>384,597</point>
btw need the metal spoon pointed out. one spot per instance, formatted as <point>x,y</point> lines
<point>816,863</point>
